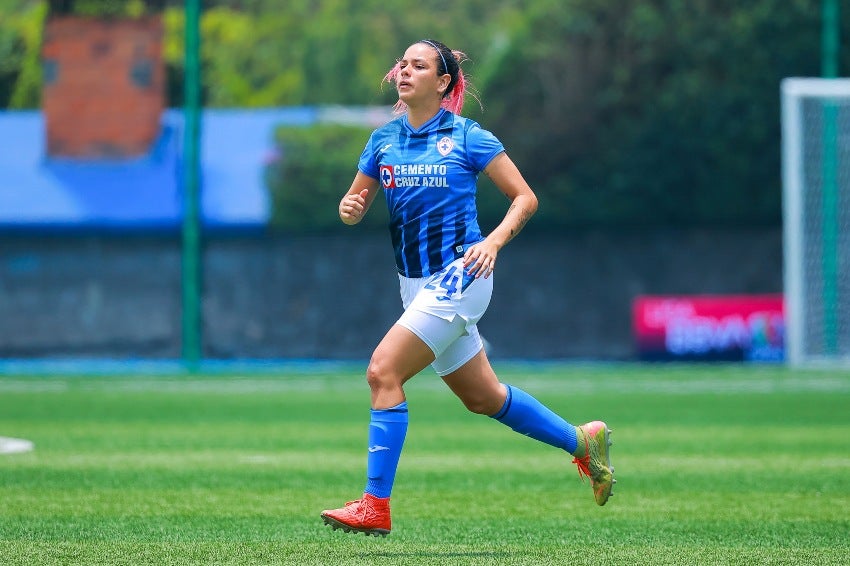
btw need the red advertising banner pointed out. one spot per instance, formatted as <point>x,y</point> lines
<point>710,327</point>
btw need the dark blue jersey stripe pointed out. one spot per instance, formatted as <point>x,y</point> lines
<point>396,235</point>
<point>435,240</point>
<point>410,233</point>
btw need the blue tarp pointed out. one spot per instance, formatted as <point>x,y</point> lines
<point>39,191</point>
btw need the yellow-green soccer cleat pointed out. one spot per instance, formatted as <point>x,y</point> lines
<point>593,458</point>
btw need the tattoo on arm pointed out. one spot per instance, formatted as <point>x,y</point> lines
<point>523,218</point>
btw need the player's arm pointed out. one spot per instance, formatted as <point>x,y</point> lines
<point>507,178</point>
<point>480,259</point>
<point>358,199</point>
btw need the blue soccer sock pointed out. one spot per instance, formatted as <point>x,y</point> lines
<point>387,429</point>
<point>526,415</point>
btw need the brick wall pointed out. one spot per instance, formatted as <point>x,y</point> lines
<point>104,86</point>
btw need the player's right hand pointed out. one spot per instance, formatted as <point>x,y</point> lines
<point>352,207</point>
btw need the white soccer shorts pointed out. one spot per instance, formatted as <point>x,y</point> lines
<point>443,310</point>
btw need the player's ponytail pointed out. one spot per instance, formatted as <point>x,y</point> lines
<point>455,93</point>
<point>448,62</point>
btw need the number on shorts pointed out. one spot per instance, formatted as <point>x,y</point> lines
<point>448,282</point>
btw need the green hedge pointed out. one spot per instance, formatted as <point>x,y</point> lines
<point>313,170</point>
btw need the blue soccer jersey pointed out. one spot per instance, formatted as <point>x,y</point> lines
<point>429,179</point>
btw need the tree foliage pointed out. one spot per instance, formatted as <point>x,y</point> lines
<point>638,112</point>
<point>652,112</point>
<point>20,64</point>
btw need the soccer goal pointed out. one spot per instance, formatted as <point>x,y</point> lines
<point>816,220</point>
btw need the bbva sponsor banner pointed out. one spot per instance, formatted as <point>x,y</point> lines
<point>710,327</point>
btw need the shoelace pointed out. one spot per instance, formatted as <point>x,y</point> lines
<point>360,509</point>
<point>354,508</point>
<point>583,463</point>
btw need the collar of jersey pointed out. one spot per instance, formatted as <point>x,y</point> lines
<point>432,125</point>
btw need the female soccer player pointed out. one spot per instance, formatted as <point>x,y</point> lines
<point>427,162</point>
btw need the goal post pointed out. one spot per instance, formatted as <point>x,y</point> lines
<point>816,220</point>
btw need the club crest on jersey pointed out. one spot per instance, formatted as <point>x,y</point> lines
<point>387,177</point>
<point>445,145</point>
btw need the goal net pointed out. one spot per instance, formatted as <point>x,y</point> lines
<point>816,220</point>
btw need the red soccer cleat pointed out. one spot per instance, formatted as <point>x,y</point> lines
<point>369,515</point>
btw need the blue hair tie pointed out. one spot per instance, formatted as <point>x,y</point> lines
<point>432,44</point>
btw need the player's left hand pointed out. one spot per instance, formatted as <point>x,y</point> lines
<point>480,259</point>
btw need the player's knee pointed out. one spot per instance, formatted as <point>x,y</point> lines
<point>378,375</point>
<point>477,407</point>
<point>484,401</point>
<point>480,405</point>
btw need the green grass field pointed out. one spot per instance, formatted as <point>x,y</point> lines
<point>716,464</point>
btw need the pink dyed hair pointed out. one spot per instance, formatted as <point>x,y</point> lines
<point>452,100</point>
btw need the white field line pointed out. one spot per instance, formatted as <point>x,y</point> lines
<point>14,445</point>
